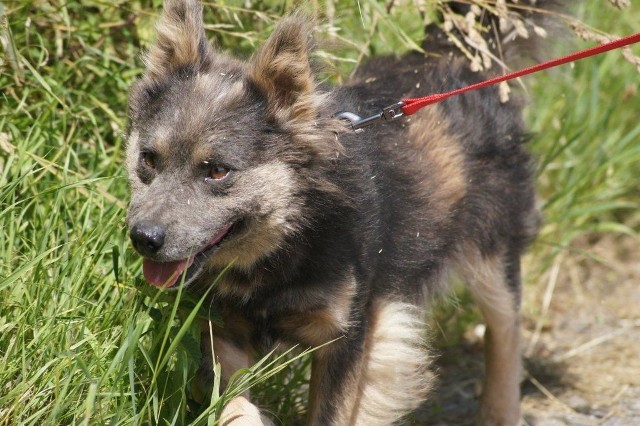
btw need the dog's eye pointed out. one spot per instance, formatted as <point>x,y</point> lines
<point>149,159</point>
<point>216,172</point>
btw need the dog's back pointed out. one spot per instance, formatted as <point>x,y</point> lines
<point>453,176</point>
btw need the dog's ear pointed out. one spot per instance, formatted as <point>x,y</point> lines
<point>281,68</point>
<point>181,41</point>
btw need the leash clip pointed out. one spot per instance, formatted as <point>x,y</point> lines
<point>358,123</point>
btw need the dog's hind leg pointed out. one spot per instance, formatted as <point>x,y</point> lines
<point>377,380</point>
<point>494,281</point>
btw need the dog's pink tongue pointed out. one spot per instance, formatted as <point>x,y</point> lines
<point>163,274</point>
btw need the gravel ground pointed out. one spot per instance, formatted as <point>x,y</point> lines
<point>582,347</point>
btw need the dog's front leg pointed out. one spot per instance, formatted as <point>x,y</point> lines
<point>232,357</point>
<point>334,387</point>
<point>376,373</point>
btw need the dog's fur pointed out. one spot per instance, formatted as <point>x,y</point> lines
<point>335,235</point>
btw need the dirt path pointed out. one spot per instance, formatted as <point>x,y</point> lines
<point>582,358</point>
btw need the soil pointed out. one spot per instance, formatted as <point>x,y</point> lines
<point>581,328</point>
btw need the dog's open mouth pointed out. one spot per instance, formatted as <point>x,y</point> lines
<point>168,274</point>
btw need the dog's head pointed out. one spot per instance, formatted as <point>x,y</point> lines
<point>220,152</point>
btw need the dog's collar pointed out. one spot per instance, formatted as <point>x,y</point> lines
<point>357,123</point>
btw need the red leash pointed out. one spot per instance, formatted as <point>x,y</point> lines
<point>412,105</point>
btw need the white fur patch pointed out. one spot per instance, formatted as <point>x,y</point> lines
<point>240,412</point>
<point>395,377</point>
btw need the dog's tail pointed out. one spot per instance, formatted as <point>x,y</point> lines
<point>506,33</point>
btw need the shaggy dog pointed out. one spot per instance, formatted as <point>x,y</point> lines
<point>241,170</point>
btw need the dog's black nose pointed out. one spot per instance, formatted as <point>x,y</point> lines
<point>147,237</point>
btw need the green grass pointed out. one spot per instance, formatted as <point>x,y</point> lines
<point>587,140</point>
<point>82,339</point>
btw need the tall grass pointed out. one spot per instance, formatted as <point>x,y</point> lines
<point>588,146</point>
<point>82,339</point>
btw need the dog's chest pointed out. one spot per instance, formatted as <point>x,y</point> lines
<point>264,328</point>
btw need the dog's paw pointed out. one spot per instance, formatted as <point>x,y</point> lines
<point>240,412</point>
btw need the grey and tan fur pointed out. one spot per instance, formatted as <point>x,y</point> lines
<point>331,235</point>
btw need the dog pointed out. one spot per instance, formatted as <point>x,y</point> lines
<point>241,173</point>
